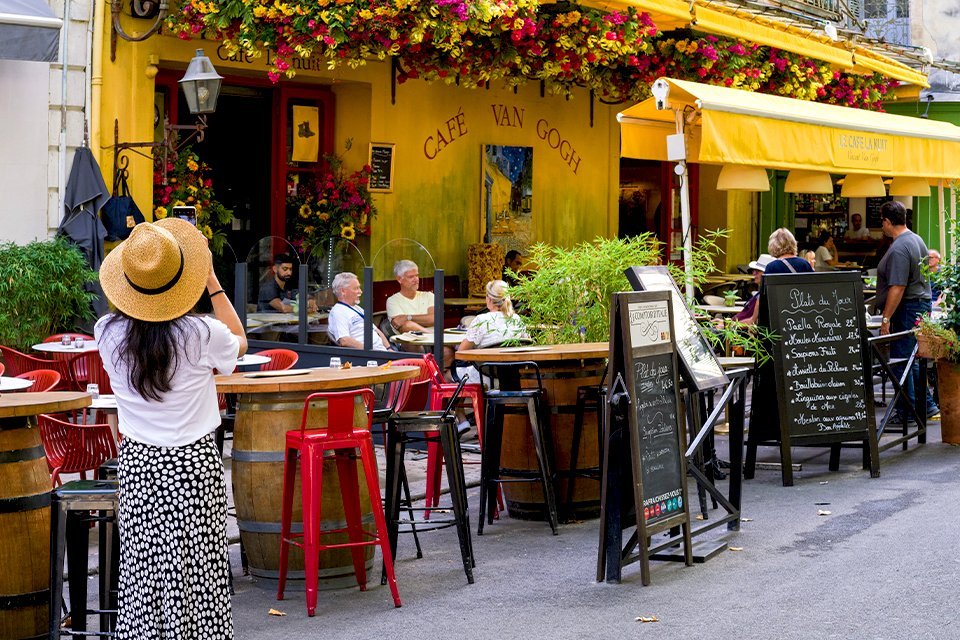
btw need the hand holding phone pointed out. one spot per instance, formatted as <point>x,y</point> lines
<point>185,213</point>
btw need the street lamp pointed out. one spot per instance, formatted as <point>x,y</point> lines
<point>201,85</point>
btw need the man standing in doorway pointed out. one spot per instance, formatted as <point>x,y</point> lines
<point>409,309</point>
<point>903,295</point>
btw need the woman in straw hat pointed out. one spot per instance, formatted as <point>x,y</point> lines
<point>174,568</point>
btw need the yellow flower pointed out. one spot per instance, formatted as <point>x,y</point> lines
<point>304,210</point>
<point>178,203</point>
<point>308,230</point>
<point>348,232</point>
<point>160,213</point>
<point>259,11</point>
<point>324,217</point>
<point>207,231</point>
<point>192,188</point>
<point>193,166</point>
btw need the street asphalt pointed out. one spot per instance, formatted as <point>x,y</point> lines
<point>877,562</point>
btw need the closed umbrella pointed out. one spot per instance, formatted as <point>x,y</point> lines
<point>86,193</point>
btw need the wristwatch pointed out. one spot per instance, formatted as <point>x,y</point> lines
<point>885,320</point>
<point>409,318</point>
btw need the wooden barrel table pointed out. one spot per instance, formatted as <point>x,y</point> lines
<point>25,511</point>
<point>564,368</point>
<point>268,407</point>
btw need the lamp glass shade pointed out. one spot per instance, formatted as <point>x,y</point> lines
<point>741,177</point>
<point>903,186</point>
<point>201,85</point>
<point>800,181</point>
<point>862,186</point>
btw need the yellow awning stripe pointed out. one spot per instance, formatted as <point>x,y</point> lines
<point>731,126</point>
<point>709,17</point>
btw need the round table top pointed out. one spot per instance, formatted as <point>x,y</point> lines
<point>541,353</point>
<point>465,302</point>
<point>56,347</point>
<point>9,383</point>
<point>719,308</point>
<point>14,405</point>
<point>265,318</point>
<point>251,359</point>
<point>322,379</point>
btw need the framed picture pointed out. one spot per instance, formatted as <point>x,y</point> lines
<point>381,165</point>
<point>507,196</point>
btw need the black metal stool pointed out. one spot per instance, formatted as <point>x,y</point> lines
<point>589,398</point>
<point>426,426</point>
<point>510,398</point>
<point>70,508</point>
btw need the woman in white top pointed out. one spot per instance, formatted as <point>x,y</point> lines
<point>826,253</point>
<point>498,325</point>
<point>174,568</point>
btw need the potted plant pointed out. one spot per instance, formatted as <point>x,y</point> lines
<point>730,297</point>
<point>937,339</point>
<point>42,288</point>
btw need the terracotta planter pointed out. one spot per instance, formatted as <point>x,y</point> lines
<point>931,347</point>
<point>948,375</point>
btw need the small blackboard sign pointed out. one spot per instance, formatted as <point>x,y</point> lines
<point>703,370</point>
<point>644,470</point>
<point>873,211</point>
<point>821,360</point>
<point>381,165</point>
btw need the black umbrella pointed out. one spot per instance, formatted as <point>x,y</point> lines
<point>86,193</point>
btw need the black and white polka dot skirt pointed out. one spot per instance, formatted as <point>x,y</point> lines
<point>174,568</point>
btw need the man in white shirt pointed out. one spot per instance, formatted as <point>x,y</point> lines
<point>857,231</point>
<point>345,323</point>
<point>409,309</point>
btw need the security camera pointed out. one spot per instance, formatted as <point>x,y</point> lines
<point>661,91</point>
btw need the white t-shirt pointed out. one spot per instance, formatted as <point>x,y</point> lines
<point>189,410</point>
<point>488,330</point>
<point>400,305</point>
<point>347,320</point>
<point>823,255</point>
<point>859,234</point>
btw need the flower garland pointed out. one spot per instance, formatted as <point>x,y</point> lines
<point>334,205</point>
<point>470,42</point>
<point>187,185</point>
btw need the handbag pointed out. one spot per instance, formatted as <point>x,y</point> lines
<point>120,213</point>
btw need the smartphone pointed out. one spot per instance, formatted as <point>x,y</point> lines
<point>186,213</point>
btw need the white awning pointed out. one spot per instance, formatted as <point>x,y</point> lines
<point>29,30</point>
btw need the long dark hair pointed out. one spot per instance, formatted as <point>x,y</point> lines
<point>151,351</point>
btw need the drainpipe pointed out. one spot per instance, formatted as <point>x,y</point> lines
<point>96,83</point>
<point>54,219</point>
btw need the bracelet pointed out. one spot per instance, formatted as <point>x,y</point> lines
<point>210,295</point>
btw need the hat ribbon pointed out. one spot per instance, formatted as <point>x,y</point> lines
<point>161,289</point>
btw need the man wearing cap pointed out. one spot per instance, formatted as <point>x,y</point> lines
<point>750,309</point>
<point>346,320</point>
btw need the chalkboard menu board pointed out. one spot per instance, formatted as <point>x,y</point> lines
<point>873,211</point>
<point>655,412</point>
<point>820,363</point>
<point>699,361</point>
<point>381,165</point>
<point>644,469</point>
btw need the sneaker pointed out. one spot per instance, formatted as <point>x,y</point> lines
<point>463,428</point>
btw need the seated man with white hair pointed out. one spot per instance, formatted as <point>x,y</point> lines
<point>345,324</point>
<point>409,309</point>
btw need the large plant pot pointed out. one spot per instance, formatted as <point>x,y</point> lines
<point>931,347</point>
<point>948,375</point>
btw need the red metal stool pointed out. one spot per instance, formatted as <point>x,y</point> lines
<point>344,439</point>
<point>440,393</point>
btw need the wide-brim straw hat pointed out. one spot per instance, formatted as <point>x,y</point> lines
<point>159,272</point>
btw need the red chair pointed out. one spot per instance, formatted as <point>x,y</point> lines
<point>75,448</point>
<point>2,368</point>
<point>17,363</point>
<point>280,359</point>
<point>341,436</point>
<point>441,392</point>
<point>43,380</point>
<point>87,368</point>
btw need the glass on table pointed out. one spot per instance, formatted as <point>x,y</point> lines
<point>93,390</point>
<point>334,362</point>
<point>65,340</point>
<point>78,343</point>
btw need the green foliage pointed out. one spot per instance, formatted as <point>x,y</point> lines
<point>41,285</point>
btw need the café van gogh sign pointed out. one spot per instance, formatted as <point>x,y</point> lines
<point>862,150</point>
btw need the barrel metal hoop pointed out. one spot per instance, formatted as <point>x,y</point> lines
<point>240,455</point>
<point>23,600</point>
<point>24,503</point>
<point>269,407</point>
<point>254,526</point>
<point>21,455</point>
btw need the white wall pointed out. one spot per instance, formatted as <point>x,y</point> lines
<point>24,109</point>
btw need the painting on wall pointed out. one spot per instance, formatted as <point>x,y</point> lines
<point>507,196</point>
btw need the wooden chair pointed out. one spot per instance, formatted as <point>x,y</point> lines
<point>43,380</point>
<point>74,448</point>
<point>280,359</point>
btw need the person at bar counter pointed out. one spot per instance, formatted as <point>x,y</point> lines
<point>495,327</point>
<point>172,516</point>
<point>857,232</point>
<point>409,309</point>
<point>826,253</point>
<point>903,295</point>
<point>274,295</point>
<point>345,323</point>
